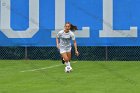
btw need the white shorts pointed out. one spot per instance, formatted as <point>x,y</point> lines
<point>65,49</point>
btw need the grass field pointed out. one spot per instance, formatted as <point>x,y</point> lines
<point>47,76</point>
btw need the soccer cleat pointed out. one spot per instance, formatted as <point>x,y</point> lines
<point>71,68</point>
<point>63,62</point>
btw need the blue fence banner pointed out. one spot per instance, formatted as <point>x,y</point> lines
<point>100,22</point>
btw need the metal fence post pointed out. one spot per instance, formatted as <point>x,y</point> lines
<point>26,52</point>
<point>106,51</point>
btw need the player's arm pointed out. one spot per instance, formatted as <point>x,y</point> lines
<point>75,47</point>
<point>75,44</point>
<point>57,41</point>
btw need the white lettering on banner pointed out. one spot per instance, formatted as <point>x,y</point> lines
<point>5,26</point>
<point>5,14</point>
<point>108,23</point>
<point>60,21</point>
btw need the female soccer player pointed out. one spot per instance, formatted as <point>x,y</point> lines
<point>65,36</point>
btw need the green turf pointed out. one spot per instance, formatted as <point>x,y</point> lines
<point>87,77</point>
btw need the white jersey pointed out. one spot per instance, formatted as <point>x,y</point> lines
<point>65,38</point>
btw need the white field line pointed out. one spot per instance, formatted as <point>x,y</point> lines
<point>54,66</point>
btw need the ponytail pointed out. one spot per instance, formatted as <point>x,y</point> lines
<point>73,27</point>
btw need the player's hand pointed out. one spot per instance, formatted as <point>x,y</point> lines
<point>76,53</point>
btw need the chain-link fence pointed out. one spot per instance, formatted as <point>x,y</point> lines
<point>86,53</point>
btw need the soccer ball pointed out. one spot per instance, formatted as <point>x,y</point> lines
<point>67,69</point>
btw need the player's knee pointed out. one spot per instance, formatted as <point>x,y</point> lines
<point>66,59</point>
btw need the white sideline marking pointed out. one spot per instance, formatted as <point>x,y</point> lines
<point>41,68</point>
<point>74,62</point>
<point>45,68</point>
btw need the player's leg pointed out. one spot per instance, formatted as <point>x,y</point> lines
<point>69,56</point>
<point>65,57</point>
<point>68,50</point>
<point>62,59</point>
<point>63,54</point>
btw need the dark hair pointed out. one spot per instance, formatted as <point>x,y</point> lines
<point>73,27</point>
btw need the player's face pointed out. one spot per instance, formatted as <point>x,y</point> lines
<point>67,27</point>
